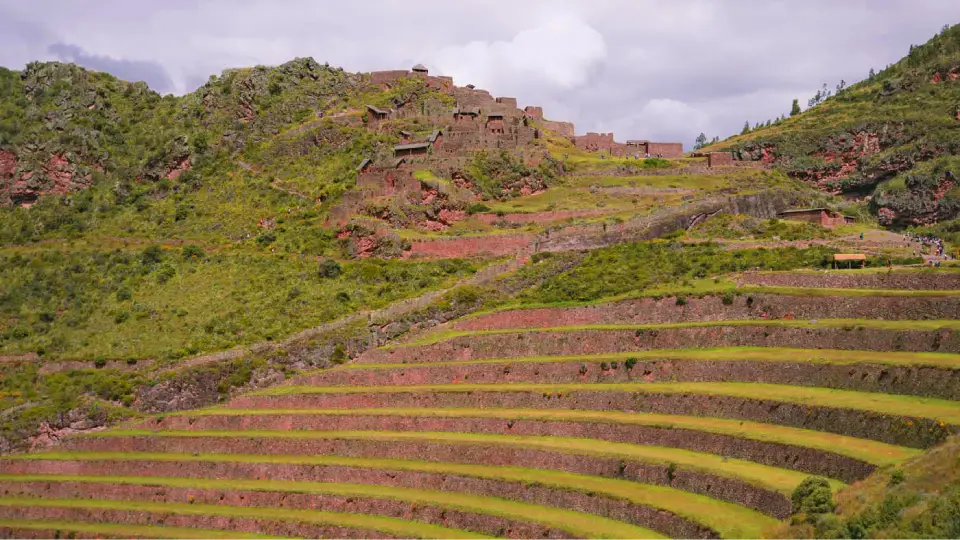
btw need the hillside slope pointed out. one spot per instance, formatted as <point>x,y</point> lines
<point>893,136</point>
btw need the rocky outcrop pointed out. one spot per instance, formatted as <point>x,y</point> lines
<point>924,201</point>
<point>25,179</point>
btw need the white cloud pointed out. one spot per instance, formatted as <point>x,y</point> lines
<point>559,53</point>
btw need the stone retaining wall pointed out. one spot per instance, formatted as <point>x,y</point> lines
<point>574,342</point>
<point>485,524</point>
<point>593,503</point>
<point>195,521</point>
<point>799,458</point>
<point>712,308</point>
<point>863,377</point>
<point>893,429</point>
<point>920,280</point>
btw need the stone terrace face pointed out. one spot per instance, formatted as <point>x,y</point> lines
<point>525,422</point>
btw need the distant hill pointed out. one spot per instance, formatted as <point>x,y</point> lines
<point>894,137</point>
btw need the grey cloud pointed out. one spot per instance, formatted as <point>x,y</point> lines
<point>130,70</point>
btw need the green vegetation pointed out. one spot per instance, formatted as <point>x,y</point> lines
<point>398,527</point>
<point>732,354</point>
<point>891,122</point>
<point>155,303</point>
<point>812,497</point>
<point>772,478</point>
<point>899,405</point>
<point>115,529</point>
<point>735,226</point>
<point>730,520</point>
<point>873,452</point>
<point>577,523</point>
<point>919,500</point>
<point>846,324</point>
<point>625,268</point>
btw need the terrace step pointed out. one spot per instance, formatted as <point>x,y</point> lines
<point>483,515</point>
<point>310,523</point>
<point>761,487</point>
<point>27,528</point>
<point>838,334</point>
<point>750,302</point>
<point>911,279</point>
<point>902,420</point>
<point>845,458</point>
<point>666,510</point>
<point>923,374</point>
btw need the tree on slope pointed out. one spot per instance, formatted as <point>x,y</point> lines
<point>746,128</point>
<point>795,109</point>
<point>700,142</point>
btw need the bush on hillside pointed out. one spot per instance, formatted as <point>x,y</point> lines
<point>813,497</point>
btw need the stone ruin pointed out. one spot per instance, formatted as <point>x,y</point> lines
<point>604,143</point>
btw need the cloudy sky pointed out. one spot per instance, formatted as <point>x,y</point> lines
<point>642,69</point>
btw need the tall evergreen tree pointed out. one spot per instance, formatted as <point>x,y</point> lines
<point>795,109</point>
<point>746,128</point>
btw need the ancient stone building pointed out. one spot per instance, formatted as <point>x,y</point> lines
<point>495,125</point>
<point>719,159</point>
<point>824,216</point>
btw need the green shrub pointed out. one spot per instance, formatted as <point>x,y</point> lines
<point>266,238</point>
<point>629,363</point>
<point>121,317</point>
<point>477,208</point>
<point>897,477</point>
<point>193,252</point>
<point>151,255</point>
<point>329,269</point>
<point>100,362</point>
<point>813,497</point>
<point>342,296</point>
<point>727,298</point>
<point>339,354</point>
<point>123,294</point>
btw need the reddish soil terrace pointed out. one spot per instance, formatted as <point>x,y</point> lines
<point>713,308</point>
<point>575,342</point>
<point>774,454</point>
<point>483,524</point>
<point>919,280</point>
<point>471,246</point>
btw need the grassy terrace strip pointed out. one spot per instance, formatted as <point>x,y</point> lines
<point>934,324</point>
<point>765,476</point>
<point>578,523</point>
<point>895,404</point>
<point>754,354</point>
<point>711,288</point>
<point>118,529</point>
<point>873,452</point>
<point>727,519</point>
<point>393,526</point>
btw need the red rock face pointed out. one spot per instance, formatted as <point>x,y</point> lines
<point>8,164</point>
<point>181,167</point>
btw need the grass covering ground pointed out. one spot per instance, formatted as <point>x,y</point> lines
<point>846,324</point>
<point>634,267</point>
<point>747,354</point>
<point>393,526</point>
<point>772,478</point>
<point>718,287</point>
<point>876,453</point>
<point>164,303</point>
<point>730,520</point>
<point>121,530</point>
<point>893,404</point>
<point>577,523</point>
